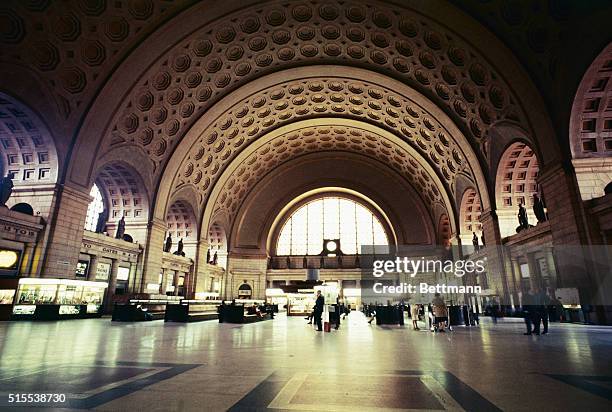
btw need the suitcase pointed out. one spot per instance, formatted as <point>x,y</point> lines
<point>327,327</point>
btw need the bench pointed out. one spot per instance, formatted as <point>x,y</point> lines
<point>237,314</point>
<point>190,312</point>
<point>132,312</point>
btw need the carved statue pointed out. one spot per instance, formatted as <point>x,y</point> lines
<point>102,219</point>
<point>168,244</point>
<point>482,239</point>
<point>215,257</point>
<point>522,218</point>
<point>538,209</point>
<point>120,228</point>
<point>179,251</point>
<point>208,256</point>
<point>6,188</point>
<point>475,241</point>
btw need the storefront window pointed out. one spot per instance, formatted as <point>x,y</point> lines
<point>6,296</point>
<point>37,294</point>
<point>68,292</point>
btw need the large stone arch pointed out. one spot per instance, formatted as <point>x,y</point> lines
<point>323,135</point>
<point>590,123</point>
<point>262,207</point>
<point>423,53</point>
<point>516,183</point>
<point>28,152</point>
<point>470,213</point>
<point>590,127</point>
<point>219,136</point>
<point>182,220</point>
<point>127,196</point>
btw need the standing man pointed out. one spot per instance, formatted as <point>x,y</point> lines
<point>318,310</point>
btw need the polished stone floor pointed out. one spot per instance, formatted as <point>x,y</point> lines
<point>285,365</point>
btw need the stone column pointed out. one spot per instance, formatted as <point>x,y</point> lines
<point>93,264</point>
<point>26,263</point>
<point>112,285</point>
<point>516,284</point>
<point>187,284</point>
<point>199,271</point>
<point>494,253</point>
<point>176,282</point>
<point>569,230</point>
<point>152,259</point>
<point>132,276</point>
<point>66,233</point>
<point>164,279</point>
<point>535,281</point>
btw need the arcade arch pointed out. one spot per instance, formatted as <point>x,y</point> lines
<point>591,127</point>
<point>515,184</point>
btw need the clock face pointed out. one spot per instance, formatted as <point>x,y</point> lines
<point>330,246</point>
<point>8,258</point>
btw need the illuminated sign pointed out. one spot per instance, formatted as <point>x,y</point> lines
<point>81,268</point>
<point>123,273</point>
<point>103,271</point>
<point>9,259</point>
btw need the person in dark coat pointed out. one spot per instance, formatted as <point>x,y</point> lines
<point>318,310</point>
<point>540,312</point>
<point>528,311</point>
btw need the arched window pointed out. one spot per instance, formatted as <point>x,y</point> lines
<point>330,218</point>
<point>93,210</point>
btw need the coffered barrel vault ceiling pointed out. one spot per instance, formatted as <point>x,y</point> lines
<point>222,56</point>
<point>73,46</point>
<point>161,70</point>
<point>292,101</point>
<point>326,138</point>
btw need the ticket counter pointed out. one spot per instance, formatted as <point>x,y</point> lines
<point>49,299</point>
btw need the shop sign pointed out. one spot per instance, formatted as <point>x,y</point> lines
<point>82,268</point>
<point>20,233</point>
<point>103,271</point>
<point>123,273</point>
<point>245,290</point>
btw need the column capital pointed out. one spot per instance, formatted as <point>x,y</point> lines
<point>76,193</point>
<point>551,170</point>
<point>156,223</point>
<point>488,214</point>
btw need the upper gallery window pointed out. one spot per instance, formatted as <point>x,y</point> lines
<point>93,210</point>
<point>330,218</point>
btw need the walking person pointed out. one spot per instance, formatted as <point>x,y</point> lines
<point>439,312</point>
<point>414,314</point>
<point>318,311</point>
<point>494,310</point>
